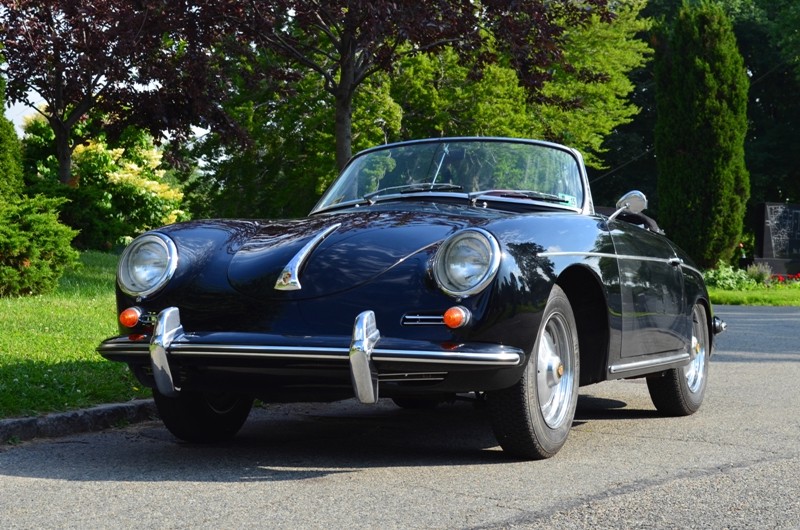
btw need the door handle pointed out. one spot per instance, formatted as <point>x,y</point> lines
<point>675,262</point>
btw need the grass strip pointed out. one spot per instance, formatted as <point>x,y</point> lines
<point>762,296</point>
<point>48,361</point>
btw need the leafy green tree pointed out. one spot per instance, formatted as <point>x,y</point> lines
<point>440,97</point>
<point>122,187</point>
<point>143,63</point>
<point>773,145</point>
<point>701,98</point>
<point>783,20</point>
<point>594,80</point>
<point>771,47</point>
<point>344,43</point>
<point>287,164</point>
<point>583,101</point>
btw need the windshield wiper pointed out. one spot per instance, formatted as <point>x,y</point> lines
<point>413,188</point>
<point>519,194</point>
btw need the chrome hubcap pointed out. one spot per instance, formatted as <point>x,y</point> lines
<point>554,371</point>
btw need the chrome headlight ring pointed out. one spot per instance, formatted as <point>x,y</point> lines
<point>147,264</point>
<point>466,262</point>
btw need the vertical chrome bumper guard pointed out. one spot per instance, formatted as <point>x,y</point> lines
<point>362,370</point>
<point>168,326</point>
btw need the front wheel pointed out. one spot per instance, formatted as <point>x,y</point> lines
<point>532,419</point>
<point>416,403</point>
<point>203,417</point>
<point>680,391</point>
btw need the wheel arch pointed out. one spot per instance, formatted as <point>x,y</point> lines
<point>585,294</point>
<point>709,320</point>
<point>696,293</point>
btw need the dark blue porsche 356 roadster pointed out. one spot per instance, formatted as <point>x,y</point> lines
<point>429,269</point>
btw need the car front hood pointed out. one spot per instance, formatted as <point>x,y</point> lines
<point>351,248</point>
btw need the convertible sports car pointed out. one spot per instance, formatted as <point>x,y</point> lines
<point>429,269</point>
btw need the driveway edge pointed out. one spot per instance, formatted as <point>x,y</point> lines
<point>77,421</point>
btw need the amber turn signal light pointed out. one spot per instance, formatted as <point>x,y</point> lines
<point>456,317</point>
<point>130,317</point>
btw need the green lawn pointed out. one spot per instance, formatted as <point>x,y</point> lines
<point>771,296</point>
<point>48,360</point>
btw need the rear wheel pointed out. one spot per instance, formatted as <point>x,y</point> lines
<point>203,417</point>
<point>680,391</point>
<point>532,419</point>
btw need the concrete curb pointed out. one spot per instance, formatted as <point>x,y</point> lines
<point>78,421</point>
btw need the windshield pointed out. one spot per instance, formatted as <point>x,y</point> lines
<point>474,167</point>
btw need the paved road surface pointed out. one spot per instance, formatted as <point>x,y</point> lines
<point>734,464</point>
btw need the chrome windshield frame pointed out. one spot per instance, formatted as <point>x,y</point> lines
<point>329,201</point>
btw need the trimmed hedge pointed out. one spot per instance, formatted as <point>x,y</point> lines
<point>34,246</point>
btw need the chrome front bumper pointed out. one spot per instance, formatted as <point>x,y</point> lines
<point>170,342</point>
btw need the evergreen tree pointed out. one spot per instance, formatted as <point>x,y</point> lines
<point>34,245</point>
<point>701,103</point>
<point>10,157</point>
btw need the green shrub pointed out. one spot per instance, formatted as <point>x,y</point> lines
<point>760,272</point>
<point>34,246</point>
<point>118,191</point>
<point>728,278</point>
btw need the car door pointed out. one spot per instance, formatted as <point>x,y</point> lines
<point>651,288</point>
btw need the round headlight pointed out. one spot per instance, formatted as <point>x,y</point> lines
<point>147,265</point>
<point>466,262</point>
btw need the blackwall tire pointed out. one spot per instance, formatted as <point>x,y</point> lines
<point>532,419</point>
<point>680,391</point>
<point>203,417</point>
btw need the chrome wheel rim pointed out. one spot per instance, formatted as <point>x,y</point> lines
<point>554,370</point>
<point>695,371</point>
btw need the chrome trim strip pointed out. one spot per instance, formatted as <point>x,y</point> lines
<point>168,326</point>
<point>288,352</point>
<point>423,320</point>
<point>362,370</point>
<point>289,278</point>
<point>636,365</point>
<point>549,254</point>
<point>437,357</point>
<point>506,358</point>
<point>378,354</point>
<point>670,260</point>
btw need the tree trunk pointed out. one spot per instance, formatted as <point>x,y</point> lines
<point>344,129</point>
<point>63,153</point>
<point>343,95</point>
